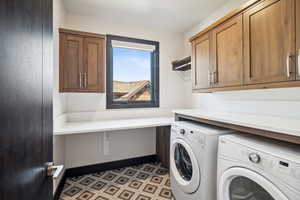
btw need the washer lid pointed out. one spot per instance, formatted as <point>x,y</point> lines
<point>240,183</point>
<point>184,166</point>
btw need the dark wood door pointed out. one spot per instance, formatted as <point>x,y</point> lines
<point>71,63</point>
<point>25,99</point>
<point>227,53</point>
<point>269,42</point>
<point>94,64</point>
<point>298,39</point>
<point>201,62</point>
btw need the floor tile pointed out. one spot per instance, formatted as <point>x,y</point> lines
<point>139,182</point>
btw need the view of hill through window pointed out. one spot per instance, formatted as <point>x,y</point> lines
<point>131,75</point>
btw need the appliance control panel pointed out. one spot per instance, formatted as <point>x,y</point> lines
<point>183,131</point>
<point>272,164</point>
<point>277,166</point>
<point>190,134</point>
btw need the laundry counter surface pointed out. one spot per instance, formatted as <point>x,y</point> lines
<point>112,125</point>
<point>281,125</point>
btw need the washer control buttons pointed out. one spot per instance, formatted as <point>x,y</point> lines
<point>254,157</point>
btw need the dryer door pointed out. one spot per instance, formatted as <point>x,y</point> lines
<point>184,166</point>
<point>243,184</point>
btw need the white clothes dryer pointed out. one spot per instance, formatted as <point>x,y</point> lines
<point>257,168</point>
<point>193,160</point>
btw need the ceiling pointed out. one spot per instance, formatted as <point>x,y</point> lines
<point>172,15</point>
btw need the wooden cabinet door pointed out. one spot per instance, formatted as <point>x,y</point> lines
<point>227,52</point>
<point>94,64</point>
<point>269,42</point>
<point>71,63</point>
<point>26,131</point>
<point>201,62</point>
<point>298,39</point>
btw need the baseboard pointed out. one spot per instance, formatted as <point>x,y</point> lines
<point>60,186</point>
<point>79,171</point>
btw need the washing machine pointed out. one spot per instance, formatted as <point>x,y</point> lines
<point>193,160</point>
<point>256,168</point>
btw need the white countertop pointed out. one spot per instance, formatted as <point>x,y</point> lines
<point>270,123</point>
<point>112,125</point>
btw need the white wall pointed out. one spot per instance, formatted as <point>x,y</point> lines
<point>170,49</point>
<point>58,99</point>
<point>59,16</point>
<point>58,156</point>
<point>88,149</point>
<point>284,102</point>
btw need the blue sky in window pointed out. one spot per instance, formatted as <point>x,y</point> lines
<point>131,65</point>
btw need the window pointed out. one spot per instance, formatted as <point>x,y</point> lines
<point>132,73</point>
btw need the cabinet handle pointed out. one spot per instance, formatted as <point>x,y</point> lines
<point>85,80</point>
<point>80,80</point>
<point>298,62</point>
<point>211,78</point>
<point>288,65</point>
<point>215,77</point>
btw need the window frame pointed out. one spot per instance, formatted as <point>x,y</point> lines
<point>110,103</point>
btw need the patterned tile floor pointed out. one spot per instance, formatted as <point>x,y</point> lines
<point>140,182</point>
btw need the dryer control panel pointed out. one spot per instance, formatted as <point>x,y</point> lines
<point>266,162</point>
<point>188,133</point>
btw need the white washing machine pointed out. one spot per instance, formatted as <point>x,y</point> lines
<point>193,160</point>
<point>255,168</point>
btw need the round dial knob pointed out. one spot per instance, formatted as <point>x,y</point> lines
<point>182,131</point>
<point>254,157</point>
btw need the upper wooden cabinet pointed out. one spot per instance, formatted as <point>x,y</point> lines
<point>298,39</point>
<point>82,61</point>
<point>71,62</point>
<point>269,42</point>
<point>227,53</point>
<point>201,62</point>
<point>256,46</point>
<point>94,64</point>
